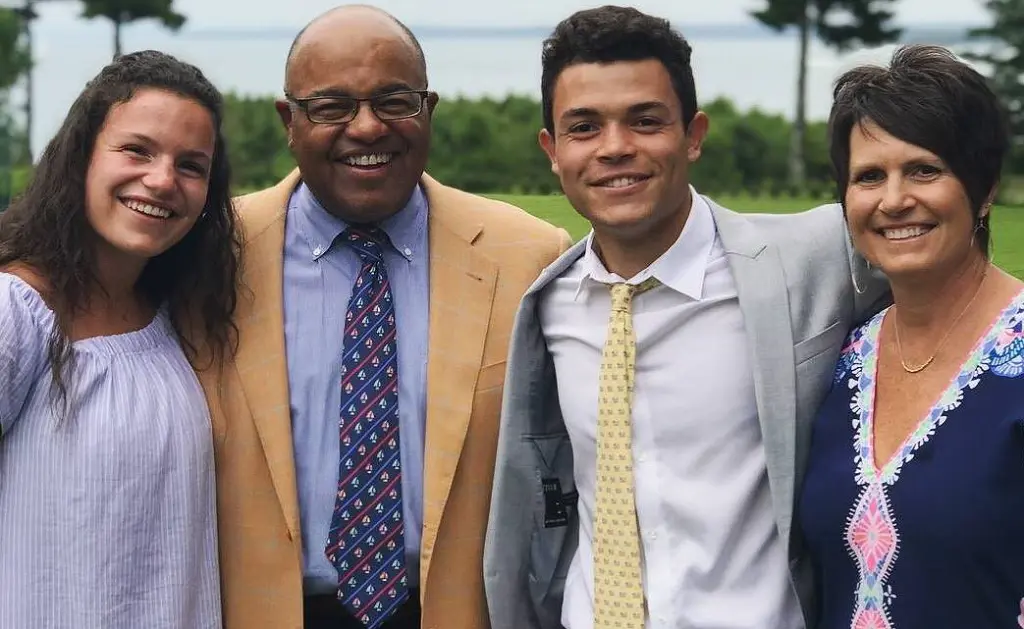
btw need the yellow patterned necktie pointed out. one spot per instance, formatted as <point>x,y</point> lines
<point>618,591</point>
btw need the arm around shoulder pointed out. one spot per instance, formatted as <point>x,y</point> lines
<point>868,285</point>
<point>871,291</point>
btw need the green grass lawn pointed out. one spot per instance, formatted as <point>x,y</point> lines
<point>1007,222</point>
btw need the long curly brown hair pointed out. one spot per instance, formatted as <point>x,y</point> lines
<point>46,229</point>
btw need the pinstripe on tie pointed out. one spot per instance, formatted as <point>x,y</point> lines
<point>618,590</point>
<point>366,542</point>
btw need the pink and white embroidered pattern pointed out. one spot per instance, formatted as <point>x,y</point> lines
<point>872,536</point>
<point>873,541</point>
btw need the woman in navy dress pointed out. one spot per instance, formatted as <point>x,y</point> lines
<point>913,504</point>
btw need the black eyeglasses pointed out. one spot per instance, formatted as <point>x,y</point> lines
<point>342,109</point>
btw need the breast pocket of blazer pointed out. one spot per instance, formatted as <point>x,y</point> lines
<point>810,348</point>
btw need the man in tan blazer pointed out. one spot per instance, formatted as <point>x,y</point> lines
<point>358,118</point>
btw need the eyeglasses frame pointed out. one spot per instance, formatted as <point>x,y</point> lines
<point>303,104</point>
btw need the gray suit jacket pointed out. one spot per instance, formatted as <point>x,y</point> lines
<point>793,276</point>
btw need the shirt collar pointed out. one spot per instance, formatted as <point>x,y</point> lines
<point>320,229</point>
<point>682,267</point>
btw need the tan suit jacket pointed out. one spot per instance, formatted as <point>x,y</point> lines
<point>484,255</point>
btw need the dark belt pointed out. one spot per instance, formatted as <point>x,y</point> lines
<point>324,611</point>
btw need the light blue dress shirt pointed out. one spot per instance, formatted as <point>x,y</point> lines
<point>319,272</point>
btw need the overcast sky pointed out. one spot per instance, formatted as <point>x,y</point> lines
<point>544,13</point>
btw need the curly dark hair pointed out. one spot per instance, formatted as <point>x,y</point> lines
<point>611,33</point>
<point>929,98</point>
<point>46,229</point>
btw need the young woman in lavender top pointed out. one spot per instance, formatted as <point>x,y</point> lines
<point>122,247</point>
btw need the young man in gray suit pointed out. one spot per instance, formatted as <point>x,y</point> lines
<point>664,372</point>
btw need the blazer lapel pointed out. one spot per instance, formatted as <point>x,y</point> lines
<point>462,283</point>
<point>261,360</point>
<point>556,268</point>
<point>764,301</point>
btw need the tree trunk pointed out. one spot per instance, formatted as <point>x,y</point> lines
<point>29,86</point>
<point>117,37</point>
<point>797,175</point>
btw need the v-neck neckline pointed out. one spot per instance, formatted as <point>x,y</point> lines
<point>865,396</point>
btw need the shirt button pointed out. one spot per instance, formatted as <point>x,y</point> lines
<point>408,251</point>
<point>318,250</point>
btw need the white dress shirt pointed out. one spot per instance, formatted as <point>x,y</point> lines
<point>711,554</point>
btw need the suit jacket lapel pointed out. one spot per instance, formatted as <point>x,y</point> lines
<point>261,360</point>
<point>462,283</point>
<point>555,269</point>
<point>764,301</point>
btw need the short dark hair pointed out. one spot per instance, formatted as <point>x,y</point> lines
<point>612,33</point>
<point>47,230</point>
<point>929,98</point>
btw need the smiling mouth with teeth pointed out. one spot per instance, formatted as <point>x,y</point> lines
<point>905,233</point>
<point>369,161</point>
<point>148,209</point>
<point>621,182</point>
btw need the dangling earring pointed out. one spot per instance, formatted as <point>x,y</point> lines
<point>982,226</point>
<point>853,272</point>
<point>990,255</point>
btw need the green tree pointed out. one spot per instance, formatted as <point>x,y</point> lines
<point>1005,58</point>
<point>15,57</point>
<point>121,12</point>
<point>15,60</point>
<point>717,168</point>
<point>489,145</point>
<point>840,24</point>
<point>256,141</point>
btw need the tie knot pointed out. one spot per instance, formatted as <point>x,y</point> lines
<point>622,293</point>
<point>367,241</point>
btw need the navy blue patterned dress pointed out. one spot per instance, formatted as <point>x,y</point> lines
<point>935,538</point>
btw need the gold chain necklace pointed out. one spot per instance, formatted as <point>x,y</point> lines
<point>896,329</point>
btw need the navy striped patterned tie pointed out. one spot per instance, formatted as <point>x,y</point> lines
<point>366,542</point>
